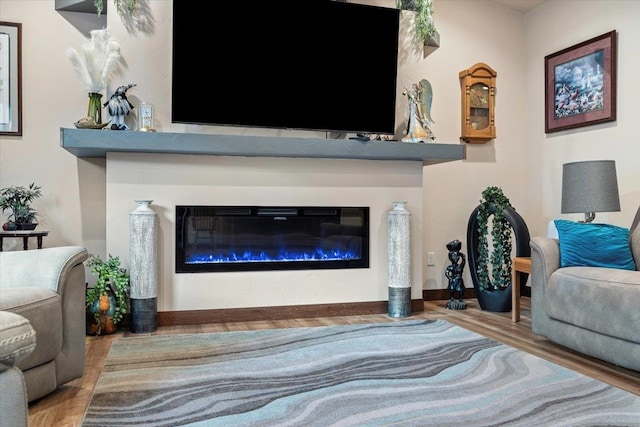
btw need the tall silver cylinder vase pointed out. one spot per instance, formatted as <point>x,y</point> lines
<point>399,245</point>
<point>143,247</point>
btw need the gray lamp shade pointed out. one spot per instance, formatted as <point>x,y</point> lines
<point>590,186</point>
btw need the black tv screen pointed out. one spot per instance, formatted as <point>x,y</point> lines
<point>308,65</point>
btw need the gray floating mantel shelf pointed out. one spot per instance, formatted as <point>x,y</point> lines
<point>97,143</point>
<point>84,6</point>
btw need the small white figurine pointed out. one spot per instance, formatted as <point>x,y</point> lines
<point>118,107</point>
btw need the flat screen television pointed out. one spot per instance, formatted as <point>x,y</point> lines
<point>285,64</point>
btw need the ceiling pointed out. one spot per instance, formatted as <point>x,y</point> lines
<point>520,5</point>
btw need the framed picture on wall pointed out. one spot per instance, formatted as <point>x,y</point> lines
<point>10,79</point>
<point>580,84</point>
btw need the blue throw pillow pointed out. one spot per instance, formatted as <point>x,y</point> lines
<point>594,245</point>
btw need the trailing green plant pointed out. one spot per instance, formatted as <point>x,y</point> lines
<point>111,278</point>
<point>425,27</point>
<point>494,200</point>
<point>99,6</point>
<point>125,6</point>
<point>122,6</point>
<point>17,200</point>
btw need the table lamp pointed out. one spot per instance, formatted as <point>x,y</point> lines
<point>589,187</point>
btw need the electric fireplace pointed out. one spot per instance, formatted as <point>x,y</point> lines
<point>259,238</point>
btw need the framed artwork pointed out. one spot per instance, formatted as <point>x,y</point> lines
<point>580,84</point>
<point>10,79</point>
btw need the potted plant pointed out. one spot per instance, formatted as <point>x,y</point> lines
<point>17,200</point>
<point>425,27</point>
<point>490,259</point>
<point>108,300</point>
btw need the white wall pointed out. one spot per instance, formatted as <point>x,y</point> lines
<point>523,160</point>
<point>456,187</point>
<point>236,181</point>
<point>547,32</point>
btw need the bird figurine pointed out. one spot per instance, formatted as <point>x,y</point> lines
<point>420,98</point>
<point>119,106</point>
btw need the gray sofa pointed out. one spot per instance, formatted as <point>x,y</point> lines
<point>47,287</point>
<point>592,310</point>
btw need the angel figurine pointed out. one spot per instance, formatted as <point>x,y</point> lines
<point>420,97</point>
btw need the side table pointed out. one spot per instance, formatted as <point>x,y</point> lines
<point>24,234</point>
<point>520,265</point>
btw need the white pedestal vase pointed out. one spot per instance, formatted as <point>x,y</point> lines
<point>143,247</point>
<point>399,247</point>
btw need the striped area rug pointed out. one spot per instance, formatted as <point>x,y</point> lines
<point>400,373</point>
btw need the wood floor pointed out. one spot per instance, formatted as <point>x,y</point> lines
<point>66,406</point>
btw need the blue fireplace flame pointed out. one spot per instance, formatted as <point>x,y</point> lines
<point>283,256</point>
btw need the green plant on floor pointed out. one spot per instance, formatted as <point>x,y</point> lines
<point>494,200</point>
<point>113,281</point>
<point>17,200</point>
<point>425,27</point>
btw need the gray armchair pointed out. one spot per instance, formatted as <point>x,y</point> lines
<point>47,287</point>
<point>592,310</point>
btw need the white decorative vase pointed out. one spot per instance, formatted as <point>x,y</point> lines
<point>143,247</point>
<point>399,247</point>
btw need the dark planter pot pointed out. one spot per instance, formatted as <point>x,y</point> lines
<point>26,225</point>
<point>496,301</point>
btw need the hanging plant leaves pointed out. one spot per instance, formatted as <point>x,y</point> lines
<point>425,27</point>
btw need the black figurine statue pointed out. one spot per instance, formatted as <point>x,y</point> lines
<point>119,106</point>
<point>454,274</point>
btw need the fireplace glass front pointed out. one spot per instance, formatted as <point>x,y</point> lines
<point>258,238</point>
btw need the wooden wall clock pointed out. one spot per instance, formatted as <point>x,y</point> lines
<point>478,87</point>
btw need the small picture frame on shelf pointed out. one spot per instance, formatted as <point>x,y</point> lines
<point>580,84</point>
